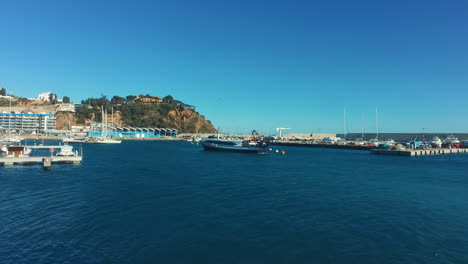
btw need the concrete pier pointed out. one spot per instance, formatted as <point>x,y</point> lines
<point>420,152</point>
<point>316,145</point>
<point>373,150</point>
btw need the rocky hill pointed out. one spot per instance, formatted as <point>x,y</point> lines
<point>142,111</point>
<point>134,111</point>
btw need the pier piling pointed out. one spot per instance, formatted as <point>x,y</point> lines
<point>47,163</point>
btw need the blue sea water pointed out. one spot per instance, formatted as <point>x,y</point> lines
<point>171,202</point>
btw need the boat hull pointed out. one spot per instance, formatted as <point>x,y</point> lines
<point>108,142</point>
<point>252,150</point>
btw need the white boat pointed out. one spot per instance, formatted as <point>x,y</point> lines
<point>106,140</point>
<point>17,151</point>
<point>66,151</point>
<point>436,142</point>
<point>194,139</point>
<point>72,140</point>
<point>452,140</point>
<point>375,142</point>
<point>9,139</point>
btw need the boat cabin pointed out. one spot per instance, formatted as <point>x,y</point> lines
<point>16,151</point>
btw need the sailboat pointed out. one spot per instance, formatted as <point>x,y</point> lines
<point>376,141</point>
<point>105,138</point>
<point>361,139</point>
<point>69,138</point>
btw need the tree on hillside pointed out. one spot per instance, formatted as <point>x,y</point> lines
<point>168,99</point>
<point>117,100</point>
<point>66,100</point>
<point>52,97</point>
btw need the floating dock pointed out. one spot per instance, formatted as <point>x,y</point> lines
<point>420,152</point>
<point>10,161</point>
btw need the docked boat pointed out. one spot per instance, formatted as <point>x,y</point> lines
<point>255,144</point>
<point>17,152</point>
<point>105,138</point>
<point>452,141</point>
<point>9,139</point>
<point>72,140</point>
<point>194,139</point>
<point>436,142</point>
<point>66,151</point>
<point>102,140</point>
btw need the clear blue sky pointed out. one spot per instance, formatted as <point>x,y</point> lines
<point>251,64</point>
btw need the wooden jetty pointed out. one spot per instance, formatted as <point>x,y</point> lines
<point>420,152</point>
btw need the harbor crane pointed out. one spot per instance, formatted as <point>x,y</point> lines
<point>280,129</point>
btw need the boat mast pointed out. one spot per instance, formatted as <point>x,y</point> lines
<point>103,122</point>
<point>345,125</point>
<point>112,122</point>
<point>377,122</point>
<point>362,127</point>
<point>105,118</point>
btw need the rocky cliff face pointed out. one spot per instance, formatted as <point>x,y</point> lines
<point>182,119</point>
<point>188,121</point>
<point>64,119</point>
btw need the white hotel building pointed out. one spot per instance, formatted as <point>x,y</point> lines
<point>30,122</point>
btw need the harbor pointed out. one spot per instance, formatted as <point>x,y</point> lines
<point>412,148</point>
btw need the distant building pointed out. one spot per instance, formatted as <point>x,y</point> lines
<point>307,136</point>
<point>147,100</point>
<point>33,123</point>
<point>47,97</point>
<point>80,128</point>
<point>6,97</point>
<point>66,108</point>
<point>2,91</point>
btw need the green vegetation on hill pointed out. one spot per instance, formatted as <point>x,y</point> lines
<point>146,111</point>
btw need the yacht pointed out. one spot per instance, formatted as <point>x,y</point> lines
<point>106,140</point>
<point>72,140</point>
<point>451,141</point>
<point>253,145</point>
<point>66,151</point>
<point>9,139</point>
<point>436,142</point>
<point>17,151</point>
